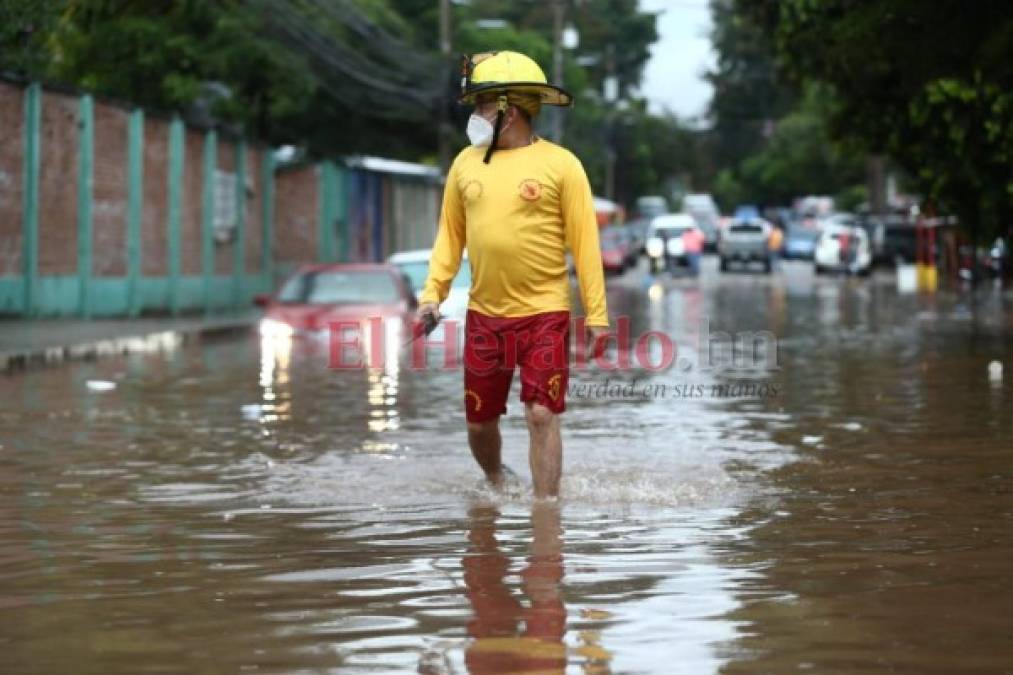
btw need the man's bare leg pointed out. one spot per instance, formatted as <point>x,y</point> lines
<point>546,449</point>
<point>486,444</point>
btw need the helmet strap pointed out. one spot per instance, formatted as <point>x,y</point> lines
<point>501,108</point>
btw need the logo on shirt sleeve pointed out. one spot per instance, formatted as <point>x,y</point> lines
<point>530,189</point>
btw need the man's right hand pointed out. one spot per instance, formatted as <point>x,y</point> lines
<point>428,308</point>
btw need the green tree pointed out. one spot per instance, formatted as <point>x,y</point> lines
<point>748,94</point>
<point>164,55</point>
<point>801,157</point>
<point>771,139</point>
<point>25,26</point>
<point>336,78</point>
<point>600,23</point>
<point>929,83</point>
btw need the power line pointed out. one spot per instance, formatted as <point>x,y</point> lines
<point>394,83</point>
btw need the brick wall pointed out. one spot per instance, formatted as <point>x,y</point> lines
<point>12,131</point>
<point>296,201</point>
<point>155,214</point>
<point>109,200</point>
<point>58,186</point>
<point>193,176</point>
<point>296,214</point>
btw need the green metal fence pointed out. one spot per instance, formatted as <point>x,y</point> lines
<point>80,292</point>
<point>360,212</point>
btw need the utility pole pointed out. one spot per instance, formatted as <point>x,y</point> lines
<point>611,95</point>
<point>443,129</point>
<point>557,65</point>
<point>875,173</point>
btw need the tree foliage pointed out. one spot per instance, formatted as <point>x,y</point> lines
<point>929,83</point>
<point>349,76</point>
<point>334,77</point>
<point>771,139</point>
<point>799,158</point>
<point>25,26</point>
<point>748,95</point>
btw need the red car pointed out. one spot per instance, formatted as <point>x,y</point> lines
<point>317,295</point>
<point>615,249</point>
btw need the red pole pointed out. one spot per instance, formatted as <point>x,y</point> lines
<point>931,248</point>
<point>918,241</point>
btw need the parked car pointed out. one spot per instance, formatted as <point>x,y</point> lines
<point>615,249</point>
<point>317,295</point>
<point>745,241</point>
<point>633,249</point>
<point>638,234</point>
<point>778,216</point>
<point>976,263</point>
<point>650,206</point>
<point>415,265</point>
<point>745,212</point>
<point>996,258</point>
<point>894,238</point>
<point>841,218</point>
<point>608,212</point>
<point>843,247</point>
<point>705,212</point>
<point>664,246</point>
<point>800,241</point>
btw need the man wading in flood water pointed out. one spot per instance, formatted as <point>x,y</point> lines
<point>517,202</point>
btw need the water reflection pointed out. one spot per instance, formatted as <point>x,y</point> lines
<point>383,370</point>
<point>276,395</point>
<point>300,362</point>
<point>510,635</point>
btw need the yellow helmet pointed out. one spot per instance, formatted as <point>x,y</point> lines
<point>507,72</point>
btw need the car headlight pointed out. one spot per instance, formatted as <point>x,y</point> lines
<point>655,247</point>
<point>270,328</point>
<point>675,246</point>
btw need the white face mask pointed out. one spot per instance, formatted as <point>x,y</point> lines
<point>480,130</point>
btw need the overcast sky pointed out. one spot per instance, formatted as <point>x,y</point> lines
<point>672,78</point>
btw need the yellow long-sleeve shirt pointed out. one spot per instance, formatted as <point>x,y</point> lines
<point>517,216</point>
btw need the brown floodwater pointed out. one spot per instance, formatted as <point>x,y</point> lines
<point>233,505</point>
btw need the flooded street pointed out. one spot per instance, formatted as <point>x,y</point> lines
<point>236,506</point>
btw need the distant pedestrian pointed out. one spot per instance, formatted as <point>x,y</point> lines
<point>774,244</point>
<point>692,243</point>
<point>848,247</point>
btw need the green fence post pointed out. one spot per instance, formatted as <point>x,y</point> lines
<point>322,208</point>
<point>343,213</point>
<point>239,281</point>
<point>267,217</point>
<point>176,149</point>
<point>30,198</point>
<point>325,225</point>
<point>208,215</point>
<point>135,204</point>
<point>85,191</point>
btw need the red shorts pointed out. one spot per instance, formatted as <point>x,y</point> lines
<point>493,346</point>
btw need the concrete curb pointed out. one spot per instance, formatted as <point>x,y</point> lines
<point>17,360</point>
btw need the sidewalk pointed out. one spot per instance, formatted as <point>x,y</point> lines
<point>25,343</point>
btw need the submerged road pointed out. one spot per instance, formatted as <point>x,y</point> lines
<point>841,504</point>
